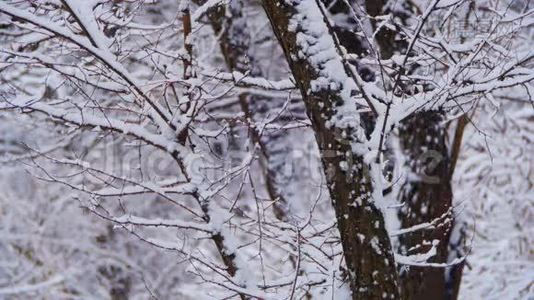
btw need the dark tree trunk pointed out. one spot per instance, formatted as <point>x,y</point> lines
<point>423,139</point>
<point>426,198</point>
<point>366,244</point>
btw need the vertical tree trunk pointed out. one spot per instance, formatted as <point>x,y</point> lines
<point>228,23</point>
<point>426,198</point>
<point>429,197</point>
<point>366,244</point>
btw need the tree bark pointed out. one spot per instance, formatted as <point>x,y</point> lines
<point>365,241</point>
<point>425,199</point>
<point>424,144</point>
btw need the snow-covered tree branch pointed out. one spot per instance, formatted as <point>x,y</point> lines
<point>273,149</point>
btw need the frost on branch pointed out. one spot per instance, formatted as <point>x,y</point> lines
<point>232,150</point>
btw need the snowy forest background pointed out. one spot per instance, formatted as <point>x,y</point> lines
<point>227,149</point>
